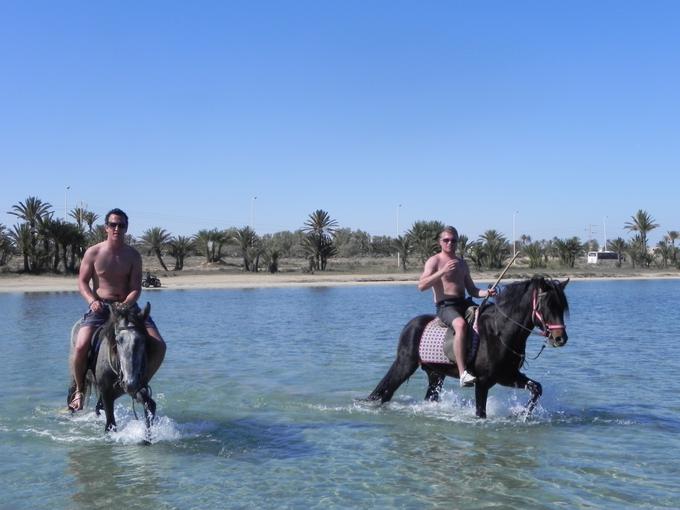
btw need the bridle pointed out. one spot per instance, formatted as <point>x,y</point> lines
<point>119,372</point>
<point>536,315</point>
<point>537,321</point>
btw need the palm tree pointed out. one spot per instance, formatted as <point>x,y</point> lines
<point>78,214</point>
<point>210,243</point>
<point>423,238</point>
<point>155,240</point>
<point>318,250</point>
<point>179,247</point>
<point>569,250</point>
<point>618,245</point>
<point>663,250</point>
<point>642,223</point>
<point>535,253</point>
<point>495,247</point>
<point>673,235</point>
<point>320,222</point>
<point>33,211</point>
<point>638,254</point>
<point>403,246</point>
<point>246,239</point>
<point>90,218</point>
<point>320,230</point>
<point>6,245</point>
<point>22,237</point>
<point>463,245</point>
<point>475,253</point>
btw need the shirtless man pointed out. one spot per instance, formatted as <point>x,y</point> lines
<point>449,277</point>
<point>114,270</point>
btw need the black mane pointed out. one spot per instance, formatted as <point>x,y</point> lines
<point>510,297</point>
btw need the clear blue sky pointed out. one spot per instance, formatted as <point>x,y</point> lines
<point>561,114</point>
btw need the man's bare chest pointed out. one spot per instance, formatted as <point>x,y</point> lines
<point>112,265</point>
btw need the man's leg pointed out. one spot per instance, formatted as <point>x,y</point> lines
<point>157,348</point>
<point>79,365</point>
<point>459,328</point>
<point>459,344</point>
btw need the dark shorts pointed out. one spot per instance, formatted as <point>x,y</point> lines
<point>96,319</point>
<point>450,309</point>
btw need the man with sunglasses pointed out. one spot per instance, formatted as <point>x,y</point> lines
<point>110,273</point>
<point>449,277</point>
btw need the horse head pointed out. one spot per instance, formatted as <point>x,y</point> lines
<point>129,343</point>
<point>549,303</point>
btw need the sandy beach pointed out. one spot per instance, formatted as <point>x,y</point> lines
<point>14,282</point>
<point>212,280</point>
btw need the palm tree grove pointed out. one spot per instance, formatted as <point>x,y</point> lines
<point>40,243</point>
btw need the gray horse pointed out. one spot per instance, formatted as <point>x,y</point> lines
<point>118,365</point>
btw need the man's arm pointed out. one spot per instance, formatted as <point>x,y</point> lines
<point>431,275</point>
<point>85,276</point>
<point>472,289</point>
<point>135,279</point>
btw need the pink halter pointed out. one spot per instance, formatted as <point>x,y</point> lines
<point>546,328</point>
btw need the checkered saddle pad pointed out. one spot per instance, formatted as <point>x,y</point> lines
<point>436,344</point>
<point>432,343</point>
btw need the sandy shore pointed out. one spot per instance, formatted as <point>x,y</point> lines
<point>215,280</point>
<point>48,283</point>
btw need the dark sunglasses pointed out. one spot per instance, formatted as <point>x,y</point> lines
<point>449,240</point>
<point>113,225</point>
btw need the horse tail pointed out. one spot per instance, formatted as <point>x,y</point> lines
<point>407,360</point>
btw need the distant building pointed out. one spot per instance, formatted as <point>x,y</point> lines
<point>595,257</point>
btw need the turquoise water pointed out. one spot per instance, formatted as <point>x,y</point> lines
<point>257,408</point>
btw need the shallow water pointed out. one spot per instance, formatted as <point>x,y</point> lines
<point>258,407</point>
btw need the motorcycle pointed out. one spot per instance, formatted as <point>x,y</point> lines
<point>151,281</point>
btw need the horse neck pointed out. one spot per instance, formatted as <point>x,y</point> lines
<point>514,323</point>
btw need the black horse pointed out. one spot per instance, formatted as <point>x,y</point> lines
<point>504,327</point>
<point>117,365</point>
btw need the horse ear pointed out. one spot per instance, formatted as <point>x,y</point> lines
<point>564,283</point>
<point>147,309</point>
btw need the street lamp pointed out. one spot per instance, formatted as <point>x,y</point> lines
<point>66,202</point>
<point>514,243</point>
<point>398,254</point>
<point>252,213</point>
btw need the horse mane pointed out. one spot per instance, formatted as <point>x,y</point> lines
<point>510,297</point>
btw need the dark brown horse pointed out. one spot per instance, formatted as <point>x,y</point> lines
<point>504,327</point>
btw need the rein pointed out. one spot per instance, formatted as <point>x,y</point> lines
<point>546,328</point>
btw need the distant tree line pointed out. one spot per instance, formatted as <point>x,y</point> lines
<point>49,244</point>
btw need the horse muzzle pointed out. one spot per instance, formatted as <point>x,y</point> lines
<point>558,337</point>
<point>131,387</point>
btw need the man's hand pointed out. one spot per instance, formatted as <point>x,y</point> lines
<point>450,266</point>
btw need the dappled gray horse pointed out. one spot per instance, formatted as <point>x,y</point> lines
<point>117,362</point>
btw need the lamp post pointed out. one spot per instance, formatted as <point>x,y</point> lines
<point>398,254</point>
<point>252,213</point>
<point>514,243</point>
<point>66,202</point>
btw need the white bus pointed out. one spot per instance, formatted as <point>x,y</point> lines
<point>596,256</point>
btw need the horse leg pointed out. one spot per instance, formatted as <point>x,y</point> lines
<point>536,391</point>
<point>534,388</point>
<point>400,370</point>
<point>481,394</point>
<point>107,404</point>
<point>435,382</point>
<point>71,392</point>
<point>143,396</point>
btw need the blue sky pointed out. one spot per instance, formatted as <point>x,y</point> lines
<point>562,115</point>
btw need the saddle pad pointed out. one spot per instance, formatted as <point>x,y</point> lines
<point>431,348</point>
